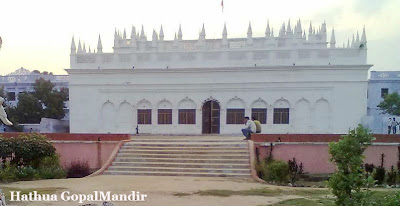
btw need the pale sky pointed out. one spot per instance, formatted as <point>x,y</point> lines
<point>37,34</point>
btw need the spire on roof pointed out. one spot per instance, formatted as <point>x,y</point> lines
<point>358,39</point>
<point>203,32</point>
<point>124,37</point>
<point>289,28</point>
<point>133,33</point>
<point>142,35</point>
<point>175,43</point>
<point>267,30</point>
<point>224,31</point>
<point>99,46</point>
<point>300,29</point>
<point>154,39</point>
<point>282,32</point>
<point>224,36</point>
<point>333,39</point>
<point>79,47</point>
<point>73,47</point>
<point>249,31</point>
<point>161,35</point>
<point>155,36</point>
<point>84,48</point>
<point>249,35</point>
<point>180,32</point>
<point>364,39</point>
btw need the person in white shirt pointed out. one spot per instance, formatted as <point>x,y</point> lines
<point>394,126</point>
<point>390,125</point>
<point>249,128</point>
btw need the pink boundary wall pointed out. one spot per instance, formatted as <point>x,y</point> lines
<point>315,156</point>
<point>95,153</point>
<point>81,147</point>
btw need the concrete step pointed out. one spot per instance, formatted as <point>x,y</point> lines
<point>182,160</point>
<point>191,174</point>
<point>214,152</point>
<point>182,148</point>
<point>215,145</point>
<point>183,165</point>
<point>184,156</point>
<point>188,140</point>
<point>178,169</point>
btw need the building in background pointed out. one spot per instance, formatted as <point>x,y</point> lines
<point>22,80</point>
<point>380,84</point>
<point>291,81</point>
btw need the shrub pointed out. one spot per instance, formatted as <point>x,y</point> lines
<point>8,173</point>
<point>392,176</point>
<point>277,171</point>
<point>26,149</point>
<point>380,172</point>
<point>393,200</point>
<point>294,169</point>
<point>78,169</point>
<point>50,168</point>
<point>26,173</point>
<point>348,179</point>
<point>369,169</point>
<point>31,156</point>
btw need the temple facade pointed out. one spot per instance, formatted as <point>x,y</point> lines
<point>292,82</point>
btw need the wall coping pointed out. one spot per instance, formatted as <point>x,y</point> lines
<point>318,143</point>
<point>83,142</point>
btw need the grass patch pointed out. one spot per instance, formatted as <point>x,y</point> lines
<point>309,192</point>
<point>263,192</point>
<point>305,202</point>
<point>181,194</point>
<point>252,192</point>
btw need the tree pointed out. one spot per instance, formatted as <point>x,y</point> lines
<point>45,101</point>
<point>391,104</point>
<point>43,88</point>
<point>28,109</point>
<point>348,180</point>
<point>52,99</point>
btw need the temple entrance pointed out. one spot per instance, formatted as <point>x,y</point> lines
<point>211,117</point>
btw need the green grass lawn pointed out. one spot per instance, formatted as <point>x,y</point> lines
<point>307,196</point>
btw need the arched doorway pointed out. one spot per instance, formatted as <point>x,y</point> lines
<point>211,117</point>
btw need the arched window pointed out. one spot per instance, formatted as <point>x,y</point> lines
<point>164,112</point>
<point>144,112</point>
<point>235,111</point>
<point>281,112</point>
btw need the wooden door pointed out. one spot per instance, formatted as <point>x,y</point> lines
<point>211,117</point>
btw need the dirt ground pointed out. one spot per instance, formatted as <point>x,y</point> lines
<point>159,190</point>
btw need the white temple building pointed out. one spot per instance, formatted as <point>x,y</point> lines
<point>291,81</point>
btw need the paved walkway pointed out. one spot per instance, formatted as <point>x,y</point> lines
<point>160,190</point>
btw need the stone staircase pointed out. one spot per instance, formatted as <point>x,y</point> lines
<point>183,156</point>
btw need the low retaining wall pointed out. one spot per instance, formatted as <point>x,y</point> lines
<point>82,147</point>
<point>389,138</point>
<point>76,136</point>
<point>95,153</point>
<point>313,150</point>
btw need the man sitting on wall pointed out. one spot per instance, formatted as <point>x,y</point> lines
<point>257,123</point>
<point>249,128</point>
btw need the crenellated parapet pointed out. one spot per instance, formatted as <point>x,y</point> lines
<point>292,46</point>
